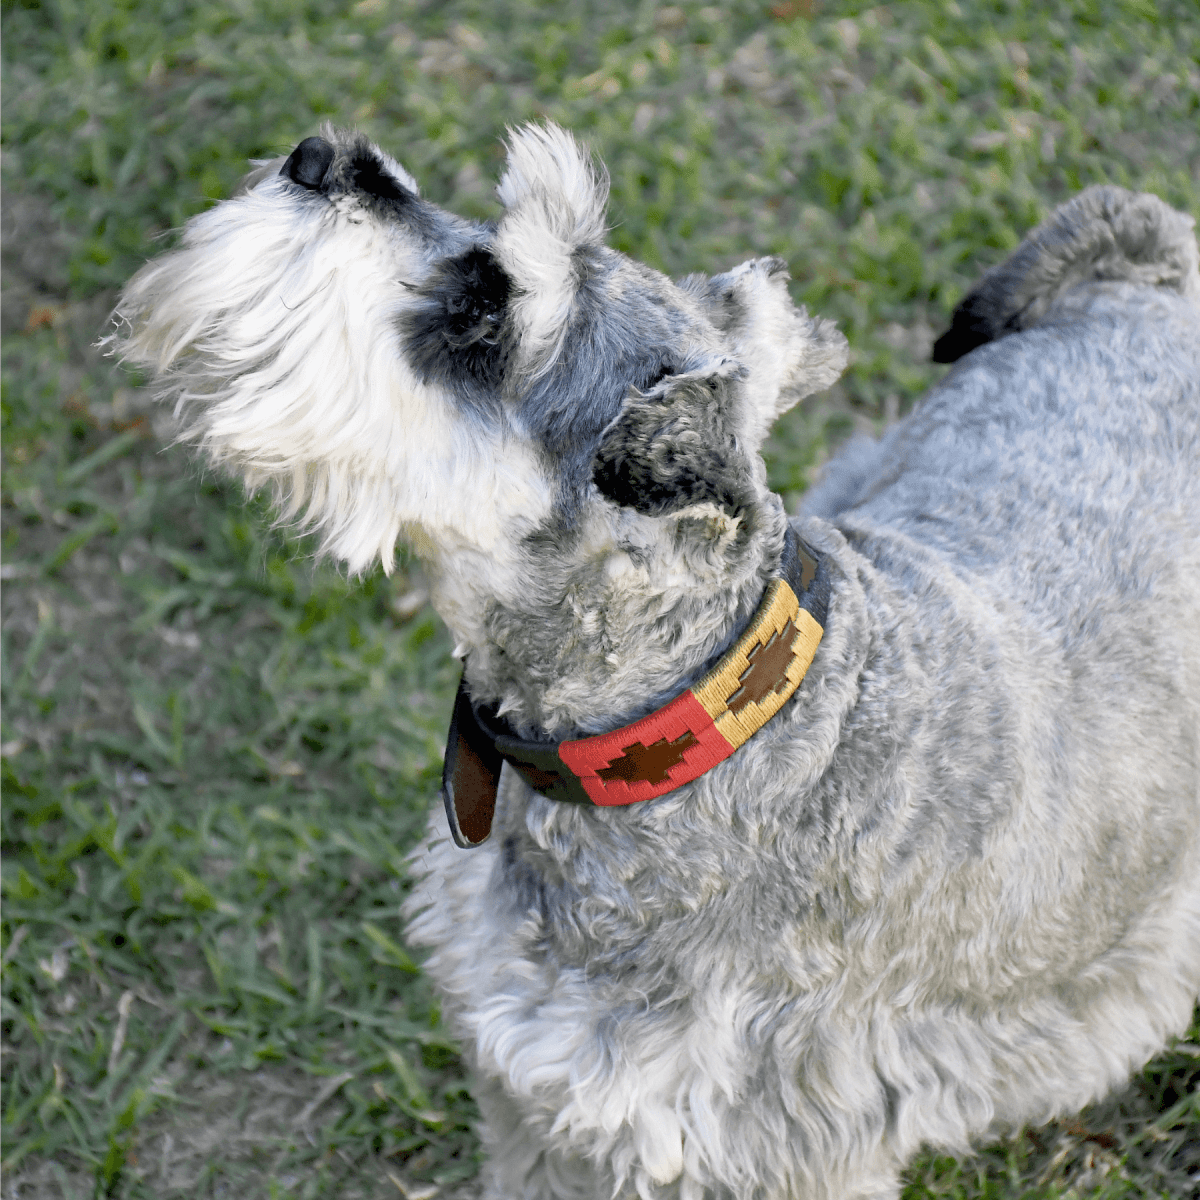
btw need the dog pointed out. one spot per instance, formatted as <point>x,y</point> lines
<point>774,847</point>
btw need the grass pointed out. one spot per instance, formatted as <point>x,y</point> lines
<point>216,753</point>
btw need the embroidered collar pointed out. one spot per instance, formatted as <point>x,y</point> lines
<point>672,746</point>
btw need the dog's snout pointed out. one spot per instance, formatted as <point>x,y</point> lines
<point>308,163</point>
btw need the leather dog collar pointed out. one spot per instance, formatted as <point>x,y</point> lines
<point>672,746</point>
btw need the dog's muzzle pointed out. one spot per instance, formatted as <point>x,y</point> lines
<point>672,746</point>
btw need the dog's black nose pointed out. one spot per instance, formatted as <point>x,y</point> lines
<point>307,164</point>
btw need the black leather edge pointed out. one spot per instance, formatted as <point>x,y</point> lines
<point>468,745</point>
<point>537,762</point>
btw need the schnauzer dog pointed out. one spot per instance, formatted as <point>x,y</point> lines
<point>802,842</point>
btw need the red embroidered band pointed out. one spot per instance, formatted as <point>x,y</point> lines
<point>666,749</point>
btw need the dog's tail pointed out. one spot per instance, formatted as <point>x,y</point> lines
<point>1103,234</point>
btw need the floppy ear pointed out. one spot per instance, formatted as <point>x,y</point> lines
<point>677,446</point>
<point>788,354</point>
<point>555,197</point>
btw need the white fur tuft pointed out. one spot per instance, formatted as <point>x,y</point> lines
<point>555,196</point>
<point>790,355</point>
<point>274,330</point>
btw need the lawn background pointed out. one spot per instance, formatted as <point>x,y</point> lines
<point>215,753</point>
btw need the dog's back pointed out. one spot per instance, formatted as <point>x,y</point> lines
<point>1041,512</point>
<point>1057,469</point>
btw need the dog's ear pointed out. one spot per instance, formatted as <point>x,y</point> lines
<point>787,354</point>
<point>555,196</point>
<point>677,446</point>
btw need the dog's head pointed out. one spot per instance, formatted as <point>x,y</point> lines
<point>393,370</point>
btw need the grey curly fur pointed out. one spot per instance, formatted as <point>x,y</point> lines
<point>954,885</point>
<point>1103,234</point>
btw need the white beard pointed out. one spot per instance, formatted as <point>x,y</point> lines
<point>292,373</point>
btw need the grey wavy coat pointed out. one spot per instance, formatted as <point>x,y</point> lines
<point>955,884</point>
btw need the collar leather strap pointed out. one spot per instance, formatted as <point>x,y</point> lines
<point>672,746</point>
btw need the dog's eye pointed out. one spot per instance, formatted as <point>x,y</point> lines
<point>367,174</point>
<point>473,302</point>
<point>456,333</point>
<point>654,378</point>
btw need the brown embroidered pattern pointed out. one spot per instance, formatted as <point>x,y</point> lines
<point>648,764</point>
<point>767,671</point>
